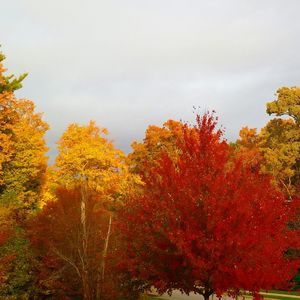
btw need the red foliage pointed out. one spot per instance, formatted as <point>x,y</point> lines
<point>56,236</point>
<point>208,222</point>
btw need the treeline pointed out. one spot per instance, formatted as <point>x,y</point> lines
<point>184,210</point>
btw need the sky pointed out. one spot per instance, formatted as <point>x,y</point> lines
<point>130,63</point>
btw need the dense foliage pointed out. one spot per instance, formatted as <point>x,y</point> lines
<point>185,210</point>
<point>208,222</point>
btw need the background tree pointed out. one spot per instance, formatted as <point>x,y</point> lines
<point>207,222</point>
<point>247,148</point>
<point>89,162</point>
<point>8,116</point>
<point>286,104</point>
<point>280,140</point>
<point>156,139</point>
<point>22,166</point>
<point>22,159</point>
<point>277,146</point>
<point>56,235</point>
<point>278,143</point>
<point>23,174</point>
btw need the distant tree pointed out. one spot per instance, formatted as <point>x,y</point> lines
<point>207,222</point>
<point>88,161</point>
<point>156,139</point>
<point>278,143</point>
<point>286,104</point>
<point>56,234</point>
<point>280,140</point>
<point>8,115</point>
<point>22,166</point>
<point>22,159</point>
<point>23,173</point>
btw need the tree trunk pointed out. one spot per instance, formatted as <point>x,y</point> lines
<point>101,273</point>
<point>86,287</point>
<point>206,293</point>
<point>206,296</point>
<point>85,274</point>
<point>106,245</point>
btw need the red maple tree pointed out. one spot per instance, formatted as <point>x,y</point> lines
<point>207,222</point>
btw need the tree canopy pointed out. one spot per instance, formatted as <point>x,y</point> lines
<point>207,222</point>
<point>184,210</point>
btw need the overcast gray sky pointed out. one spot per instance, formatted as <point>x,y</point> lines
<point>130,63</point>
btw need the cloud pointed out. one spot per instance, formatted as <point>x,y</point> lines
<point>131,63</point>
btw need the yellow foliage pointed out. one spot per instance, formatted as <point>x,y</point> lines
<point>24,173</point>
<point>8,117</point>
<point>280,145</point>
<point>157,139</point>
<point>87,157</point>
<point>248,137</point>
<point>279,141</point>
<point>287,103</point>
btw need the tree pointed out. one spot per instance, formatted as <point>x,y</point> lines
<point>287,103</point>
<point>280,140</point>
<point>156,139</point>
<point>277,145</point>
<point>246,147</point>
<point>248,138</point>
<point>22,166</point>
<point>207,222</point>
<point>89,162</point>
<point>23,174</point>
<point>56,235</point>
<point>22,159</point>
<point>8,115</point>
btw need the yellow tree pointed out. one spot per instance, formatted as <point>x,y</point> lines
<point>157,139</point>
<point>246,147</point>
<point>22,155</point>
<point>22,166</point>
<point>23,174</point>
<point>278,143</point>
<point>8,115</point>
<point>280,140</point>
<point>248,137</point>
<point>286,104</point>
<point>88,160</point>
<point>7,119</point>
